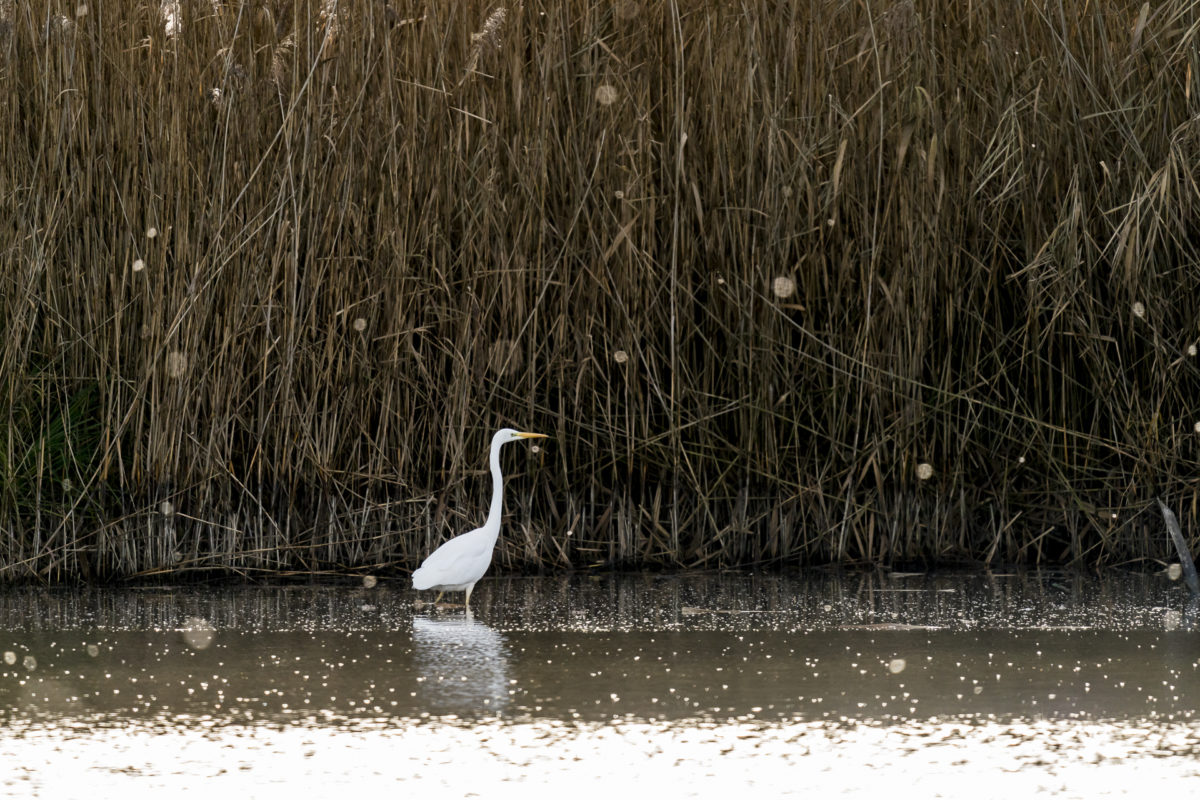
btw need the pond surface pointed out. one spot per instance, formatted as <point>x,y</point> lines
<point>824,682</point>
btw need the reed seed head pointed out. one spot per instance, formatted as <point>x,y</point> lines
<point>280,60</point>
<point>138,265</point>
<point>177,364</point>
<point>1191,351</point>
<point>494,24</point>
<point>172,17</point>
<point>60,25</point>
<point>924,471</point>
<point>606,94</point>
<point>1174,572</point>
<point>151,232</point>
<point>369,581</point>
<point>620,356</point>
<point>329,10</point>
<point>783,287</point>
<point>489,34</point>
<point>486,38</point>
<point>1139,310</point>
<point>360,324</point>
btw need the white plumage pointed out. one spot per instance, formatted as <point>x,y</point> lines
<point>458,564</point>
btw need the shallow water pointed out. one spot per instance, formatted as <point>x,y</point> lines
<point>841,684</point>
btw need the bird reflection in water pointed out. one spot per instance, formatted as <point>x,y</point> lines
<point>461,666</point>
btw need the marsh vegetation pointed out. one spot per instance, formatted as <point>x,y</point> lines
<point>787,283</point>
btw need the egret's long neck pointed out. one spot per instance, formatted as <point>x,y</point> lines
<point>496,510</point>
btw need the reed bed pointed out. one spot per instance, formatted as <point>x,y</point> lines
<point>883,282</point>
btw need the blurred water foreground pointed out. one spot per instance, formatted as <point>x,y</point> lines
<point>1071,685</point>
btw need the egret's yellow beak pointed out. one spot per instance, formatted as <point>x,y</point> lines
<point>532,435</point>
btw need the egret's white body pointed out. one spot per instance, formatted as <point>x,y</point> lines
<point>458,564</point>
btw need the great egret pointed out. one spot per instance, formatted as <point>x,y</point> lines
<point>458,564</point>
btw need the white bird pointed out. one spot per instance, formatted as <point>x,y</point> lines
<point>458,564</point>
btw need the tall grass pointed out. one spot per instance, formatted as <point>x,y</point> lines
<point>875,282</point>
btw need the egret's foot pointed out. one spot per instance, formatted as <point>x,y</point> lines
<point>435,603</point>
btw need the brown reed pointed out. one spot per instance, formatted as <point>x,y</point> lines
<point>873,282</point>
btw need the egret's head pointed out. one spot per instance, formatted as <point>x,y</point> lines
<point>509,435</point>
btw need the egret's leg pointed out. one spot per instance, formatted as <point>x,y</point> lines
<point>438,599</point>
<point>467,602</point>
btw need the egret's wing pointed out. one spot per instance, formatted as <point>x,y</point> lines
<point>461,560</point>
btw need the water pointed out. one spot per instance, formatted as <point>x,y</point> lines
<point>838,684</point>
